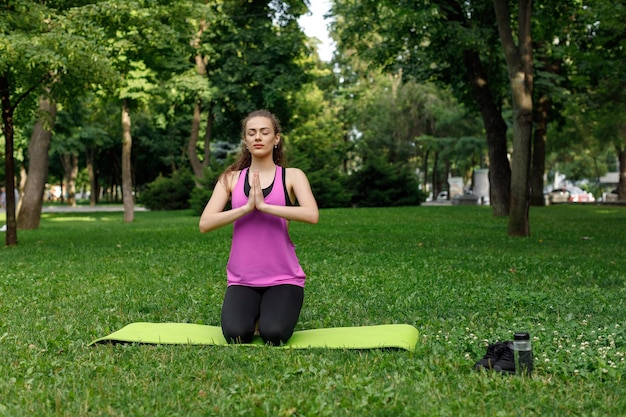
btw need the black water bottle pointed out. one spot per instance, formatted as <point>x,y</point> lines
<point>523,352</point>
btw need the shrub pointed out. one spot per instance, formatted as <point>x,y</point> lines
<point>168,193</point>
<point>199,198</point>
<point>380,184</point>
<point>201,195</point>
<point>330,189</point>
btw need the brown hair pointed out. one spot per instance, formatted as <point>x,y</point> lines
<point>245,158</point>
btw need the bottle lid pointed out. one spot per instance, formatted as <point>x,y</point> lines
<point>521,336</point>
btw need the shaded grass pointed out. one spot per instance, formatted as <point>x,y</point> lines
<point>450,271</point>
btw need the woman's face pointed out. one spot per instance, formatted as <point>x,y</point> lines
<point>259,136</point>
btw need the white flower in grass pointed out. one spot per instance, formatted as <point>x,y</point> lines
<point>603,351</point>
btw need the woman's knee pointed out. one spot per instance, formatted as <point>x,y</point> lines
<point>237,333</point>
<point>275,333</point>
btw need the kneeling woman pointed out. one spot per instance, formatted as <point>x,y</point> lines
<point>265,280</point>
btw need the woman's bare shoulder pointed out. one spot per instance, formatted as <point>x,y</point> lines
<point>295,176</point>
<point>229,179</point>
<point>294,172</point>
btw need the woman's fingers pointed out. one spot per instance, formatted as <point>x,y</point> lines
<point>258,191</point>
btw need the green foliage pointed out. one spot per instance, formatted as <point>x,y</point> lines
<point>449,271</point>
<point>168,193</point>
<point>333,114</point>
<point>380,184</point>
<point>442,34</point>
<point>253,53</point>
<point>200,195</point>
<point>198,200</point>
<point>330,189</point>
<point>44,49</point>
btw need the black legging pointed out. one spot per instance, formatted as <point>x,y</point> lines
<point>276,308</point>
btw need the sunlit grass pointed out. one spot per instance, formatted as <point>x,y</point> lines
<point>450,271</point>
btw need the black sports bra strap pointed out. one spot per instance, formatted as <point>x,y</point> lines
<point>287,198</point>
<point>246,186</point>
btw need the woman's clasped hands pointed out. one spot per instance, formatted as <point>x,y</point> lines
<point>255,199</point>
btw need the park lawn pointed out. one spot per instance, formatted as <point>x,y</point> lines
<point>450,271</point>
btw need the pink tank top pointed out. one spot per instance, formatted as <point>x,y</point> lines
<point>262,254</point>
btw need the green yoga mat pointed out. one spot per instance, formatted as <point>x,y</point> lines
<point>400,336</point>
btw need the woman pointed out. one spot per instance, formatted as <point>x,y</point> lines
<point>265,280</point>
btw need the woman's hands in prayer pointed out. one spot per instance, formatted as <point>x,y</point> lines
<point>255,199</point>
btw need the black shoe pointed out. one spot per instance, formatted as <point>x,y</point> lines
<point>506,362</point>
<point>493,355</point>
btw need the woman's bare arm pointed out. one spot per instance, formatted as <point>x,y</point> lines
<point>306,211</point>
<point>214,216</point>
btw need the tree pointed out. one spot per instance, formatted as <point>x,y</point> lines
<point>255,58</point>
<point>197,82</point>
<point>552,24</point>
<point>43,56</point>
<point>245,56</point>
<point>598,52</point>
<point>38,148</point>
<point>145,45</point>
<point>451,43</point>
<point>519,58</point>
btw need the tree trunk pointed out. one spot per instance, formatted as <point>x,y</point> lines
<point>425,172</point>
<point>23,178</point>
<point>519,64</point>
<point>9,162</point>
<point>540,137</point>
<point>127,178</point>
<point>208,134</point>
<point>93,184</point>
<point>32,201</point>
<point>499,168</point>
<point>435,178</point>
<point>196,165</point>
<point>201,63</point>
<point>192,154</point>
<point>539,152</point>
<point>621,186</point>
<point>70,168</point>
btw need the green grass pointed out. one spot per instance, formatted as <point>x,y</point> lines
<point>450,271</point>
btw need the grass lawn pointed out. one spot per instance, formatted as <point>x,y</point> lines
<point>450,271</point>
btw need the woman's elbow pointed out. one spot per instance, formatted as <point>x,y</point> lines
<point>204,227</point>
<point>314,217</point>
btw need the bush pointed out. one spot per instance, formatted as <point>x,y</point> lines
<point>169,193</point>
<point>198,200</point>
<point>379,184</point>
<point>201,195</point>
<point>330,189</point>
